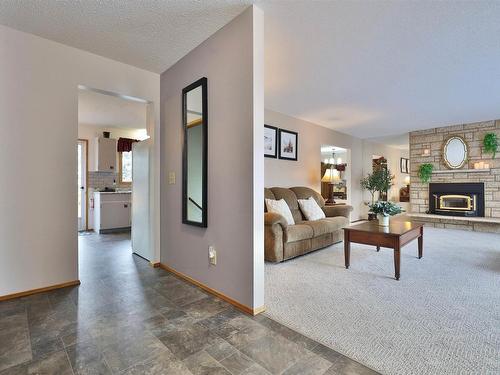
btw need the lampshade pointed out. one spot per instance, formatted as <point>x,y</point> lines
<point>339,160</point>
<point>407,180</point>
<point>331,175</point>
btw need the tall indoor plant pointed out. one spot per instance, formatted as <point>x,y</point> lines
<point>379,181</point>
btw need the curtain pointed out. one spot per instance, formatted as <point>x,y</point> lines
<point>125,144</point>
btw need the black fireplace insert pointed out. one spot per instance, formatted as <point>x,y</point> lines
<point>457,199</point>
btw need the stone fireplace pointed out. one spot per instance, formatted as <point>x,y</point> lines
<point>461,208</point>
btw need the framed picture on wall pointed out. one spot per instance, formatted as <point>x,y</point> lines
<point>289,142</point>
<point>270,141</point>
<point>404,163</point>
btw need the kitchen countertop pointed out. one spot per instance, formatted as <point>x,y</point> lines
<point>113,192</point>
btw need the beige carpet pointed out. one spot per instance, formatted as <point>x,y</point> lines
<point>442,317</point>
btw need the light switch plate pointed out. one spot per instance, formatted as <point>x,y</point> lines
<point>171,178</point>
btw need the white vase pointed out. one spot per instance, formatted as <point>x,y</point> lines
<point>383,221</point>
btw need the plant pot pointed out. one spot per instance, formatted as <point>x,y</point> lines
<point>383,221</point>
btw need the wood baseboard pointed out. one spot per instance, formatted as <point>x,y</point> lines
<point>155,264</point>
<point>238,305</point>
<point>39,290</point>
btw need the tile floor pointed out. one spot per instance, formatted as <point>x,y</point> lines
<point>129,318</point>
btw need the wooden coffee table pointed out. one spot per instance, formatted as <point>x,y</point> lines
<point>395,236</point>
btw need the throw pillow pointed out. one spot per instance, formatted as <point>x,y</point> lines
<point>280,207</point>
<point>311,209</point>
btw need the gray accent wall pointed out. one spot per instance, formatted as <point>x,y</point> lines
<point>232,60</point>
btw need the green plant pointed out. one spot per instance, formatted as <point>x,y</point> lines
<point>368,183</point>
<point>490,143</point>
<point>380,180</point>
<point>385,208</point>
<point>425,172</point>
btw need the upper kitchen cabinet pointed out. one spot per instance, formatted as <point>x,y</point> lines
<point>105,155</point>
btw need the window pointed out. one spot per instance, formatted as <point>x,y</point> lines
<point>125,172</point>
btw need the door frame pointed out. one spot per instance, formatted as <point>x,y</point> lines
<point>86,153</point>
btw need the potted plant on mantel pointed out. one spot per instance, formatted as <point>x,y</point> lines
<point>384,210</point>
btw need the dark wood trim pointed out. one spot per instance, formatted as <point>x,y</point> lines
<point>238,305</point>
<point>203,82</point>
<point>39,290</point>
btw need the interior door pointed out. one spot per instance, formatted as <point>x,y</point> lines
<point>82,185</point>
<point>141,227</point>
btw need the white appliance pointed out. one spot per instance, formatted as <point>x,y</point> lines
<point>141,225</point>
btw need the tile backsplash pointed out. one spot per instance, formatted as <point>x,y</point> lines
<point>100,180</point>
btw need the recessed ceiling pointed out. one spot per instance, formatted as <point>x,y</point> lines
<point>366,68</point>
<point>149,34</point>
<point>110,111</point>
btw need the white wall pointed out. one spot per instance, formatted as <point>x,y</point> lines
<point>38,133</point>
<point>306,171</point>
<point>91,132</point>
<point>232,60</point>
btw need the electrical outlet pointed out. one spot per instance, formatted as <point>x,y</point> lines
<point>212,255</point>
<point>171,178</point>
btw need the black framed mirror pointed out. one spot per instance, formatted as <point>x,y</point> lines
<point>195,153</point>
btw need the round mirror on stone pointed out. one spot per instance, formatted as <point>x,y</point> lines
<point>455,152</point>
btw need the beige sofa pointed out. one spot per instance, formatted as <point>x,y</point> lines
<point>284,241</point>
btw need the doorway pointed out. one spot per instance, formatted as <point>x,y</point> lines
<point>82,175</point>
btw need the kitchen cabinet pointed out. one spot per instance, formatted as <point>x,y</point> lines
<point>105,155</point>
<point>112,211</point>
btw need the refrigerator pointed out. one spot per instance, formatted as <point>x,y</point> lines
<point>141,195</point>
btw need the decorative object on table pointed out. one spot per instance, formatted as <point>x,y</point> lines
<point>270,141</point>
<point>403,164</point>
<point>384,210</point>
<point>106,134</point>
<point>490,144</point>
<point>332,177</point>
<point>425,172</point>
<point>288,143</point>
<point>455,152</point>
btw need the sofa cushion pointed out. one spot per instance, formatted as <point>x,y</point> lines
<point>327,225</point>
<point>302,192</point>
<point>311,209</point>
<point>281,208</point>
<point>298,232</point>
<point>290,199</point>
<point>268,194</point>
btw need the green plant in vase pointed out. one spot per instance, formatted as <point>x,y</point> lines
<point>384,210</point>
<point>425,172</point>
<point>490,144</point>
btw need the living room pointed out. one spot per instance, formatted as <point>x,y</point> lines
<point>357,121</point>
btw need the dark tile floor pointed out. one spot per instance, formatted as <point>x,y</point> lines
<point>130,318</point>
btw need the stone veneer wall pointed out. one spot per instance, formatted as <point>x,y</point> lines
<point>433,139</point>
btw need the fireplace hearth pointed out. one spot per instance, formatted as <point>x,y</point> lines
<point>457,199</point>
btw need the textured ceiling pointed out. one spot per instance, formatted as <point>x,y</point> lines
<point>366,68</point>
<point>110,111</point>
<point>150,34</point>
